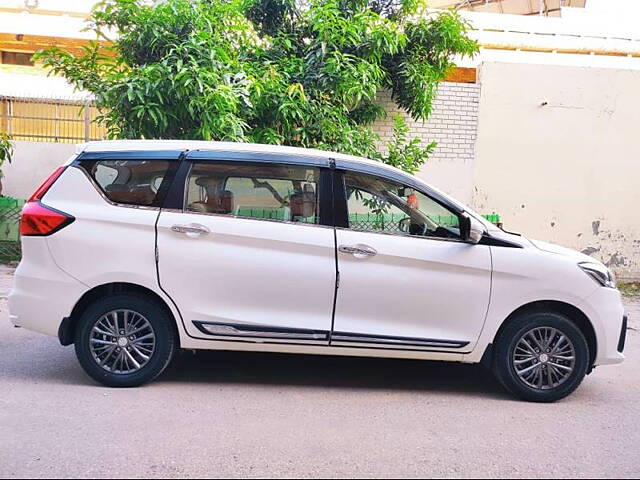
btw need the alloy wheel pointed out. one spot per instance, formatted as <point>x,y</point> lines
<point>122,341</point>
<point>544,358</point>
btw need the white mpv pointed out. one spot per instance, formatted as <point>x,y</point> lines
<point>136,248</point>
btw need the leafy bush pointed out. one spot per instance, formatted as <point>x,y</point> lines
<point>6,150</point>
<point>267,71</point>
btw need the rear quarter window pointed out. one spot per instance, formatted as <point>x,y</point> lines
<point>129,182</point>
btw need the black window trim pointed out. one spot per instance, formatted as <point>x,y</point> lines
<point>95,157</point>
<point>322,161</point>
<point>274,157</point>
<point>176,196</point>
<point>333,212</point>
<point>256,157</point>
<point>342,219</point>
<point>405,179</point>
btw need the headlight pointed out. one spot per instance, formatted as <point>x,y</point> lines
<point>599,273</point>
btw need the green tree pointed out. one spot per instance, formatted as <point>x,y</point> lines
<point>267,71</point>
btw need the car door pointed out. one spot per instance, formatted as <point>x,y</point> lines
<point>247,257</point>
<point>406,280</point>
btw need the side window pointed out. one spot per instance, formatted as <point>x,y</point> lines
<point>379,205</point>
<point>105,174</point>
<point>270,192</point>
<point>131,182</point>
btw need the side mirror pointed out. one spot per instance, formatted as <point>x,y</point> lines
<point>404,225</point>
<point>471,229</point>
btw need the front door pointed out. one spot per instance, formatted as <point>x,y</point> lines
<point>407,281</point>
<point>247,259</point>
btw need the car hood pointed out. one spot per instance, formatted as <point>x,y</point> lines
<point>559,250</point>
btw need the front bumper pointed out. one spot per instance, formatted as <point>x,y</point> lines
<point>623,334</point>
<point>605,310</point>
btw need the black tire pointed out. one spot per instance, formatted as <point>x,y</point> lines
<point>504,367</point>
<point>159,359</point>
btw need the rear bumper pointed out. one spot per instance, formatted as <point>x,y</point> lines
<point>42,293</point>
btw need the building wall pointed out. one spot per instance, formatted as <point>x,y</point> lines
<point>558,157</point>
<point>567,171</point>
<point>452,124</point>
<point>32,163</point>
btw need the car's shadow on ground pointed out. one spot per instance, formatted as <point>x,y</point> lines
<point>51,363</point>
<point>331,371</point>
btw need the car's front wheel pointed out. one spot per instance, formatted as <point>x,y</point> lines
<point>124,340</point>
<point>541,356</point>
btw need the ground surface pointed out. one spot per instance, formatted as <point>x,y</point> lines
<point>249,415</point>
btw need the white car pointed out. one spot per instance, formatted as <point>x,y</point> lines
<point>136,248</point>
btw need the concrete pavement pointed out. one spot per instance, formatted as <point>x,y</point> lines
<point>258,415</point>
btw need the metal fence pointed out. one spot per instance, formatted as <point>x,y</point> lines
<point>10,209</point>
<point>50,120</point>
<point>390,223</point>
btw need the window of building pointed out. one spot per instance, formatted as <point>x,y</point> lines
<point>17,58</point>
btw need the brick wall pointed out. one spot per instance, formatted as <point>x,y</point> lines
<point>453,122</point>
<point>453,125</point>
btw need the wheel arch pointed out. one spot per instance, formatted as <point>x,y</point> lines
<point>572,312</point>
<point>66,332</point>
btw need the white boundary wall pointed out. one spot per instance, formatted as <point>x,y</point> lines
<point>32,163</point>
<point>566,172</point>
<point>558,157</point>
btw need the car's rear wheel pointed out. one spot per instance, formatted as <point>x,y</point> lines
<point>124,340</point>
<point>541,356</point>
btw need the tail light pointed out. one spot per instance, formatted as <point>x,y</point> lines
<point>39,219</point>
<point>46,185</point>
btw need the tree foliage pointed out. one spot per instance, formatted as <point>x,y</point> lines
<point>6,150</point>
<point>267,71</point>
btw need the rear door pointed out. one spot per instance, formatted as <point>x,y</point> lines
<point>249,255</point>
<point>115,198</point>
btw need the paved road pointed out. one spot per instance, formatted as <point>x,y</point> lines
<point>256,415</point>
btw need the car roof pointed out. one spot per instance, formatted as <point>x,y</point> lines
<point>202,145</point>
<point>342,160</point>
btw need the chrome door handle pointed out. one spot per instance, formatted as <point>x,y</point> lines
<point>192,230</point>
<point>359,251</point>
